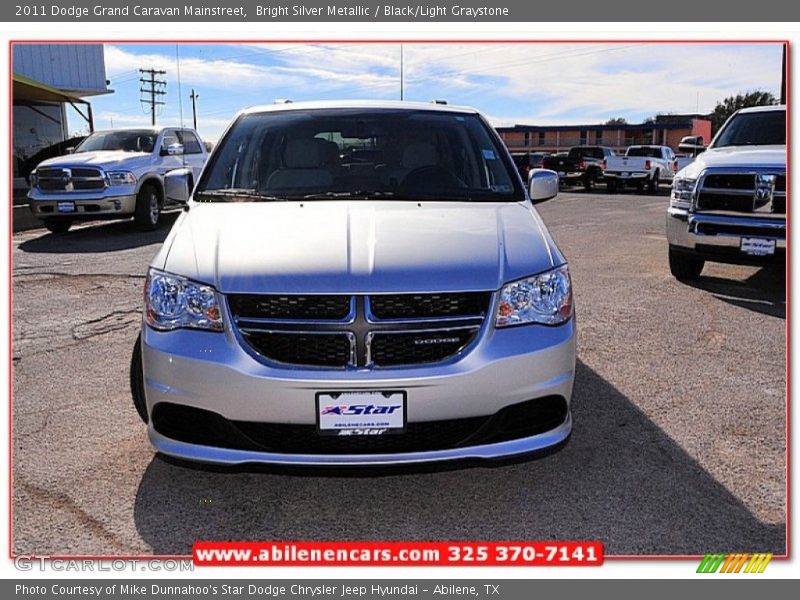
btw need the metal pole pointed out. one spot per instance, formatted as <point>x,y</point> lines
<point>401,71</point>
<point>194,98</point>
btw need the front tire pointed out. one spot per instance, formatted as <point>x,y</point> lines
<point>148,207</point>
<point>684,267</point>
<point>58,225</point>
<point>137,380</point>
<point>611,185</point>
<point>588,182</point>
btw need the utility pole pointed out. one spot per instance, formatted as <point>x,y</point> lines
<point>154,88</point>
<point>194,98</point>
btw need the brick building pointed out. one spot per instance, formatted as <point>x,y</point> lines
<point>666,130</point>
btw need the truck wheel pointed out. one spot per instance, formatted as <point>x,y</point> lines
<point>652,184</point>
<point>588,182</point>
<point>685,267</point>
<point>58,225</point>
<point>148,207</point>
<point>137,380</point>
<point>611,185</point>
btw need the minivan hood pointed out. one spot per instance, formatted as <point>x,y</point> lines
<point>357,247</point>
<point>105,158</point>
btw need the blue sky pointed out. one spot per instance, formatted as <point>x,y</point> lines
<point>540,83</point>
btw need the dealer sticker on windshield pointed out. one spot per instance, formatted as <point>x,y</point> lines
<point>361,413</point>
<point>757,246</point>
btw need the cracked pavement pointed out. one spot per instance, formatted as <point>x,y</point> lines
<point>679,407</point>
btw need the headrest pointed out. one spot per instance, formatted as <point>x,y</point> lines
<point>303,154</point>
<point>419,154</point>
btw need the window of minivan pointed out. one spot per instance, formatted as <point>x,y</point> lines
<point>360,153</point>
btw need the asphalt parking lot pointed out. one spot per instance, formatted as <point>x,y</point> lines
<point>679,407</point>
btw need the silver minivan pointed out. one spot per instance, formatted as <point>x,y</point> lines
<point>357,283</point>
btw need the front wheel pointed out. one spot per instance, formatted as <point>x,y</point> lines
<point>685,267</point>
<point>611,185</point>
<point>137,380</point>
<point>58,225</point>
<point>588,182</point>
<point>148,207</point>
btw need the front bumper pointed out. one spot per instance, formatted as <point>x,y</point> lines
<point>718,237</point>
<point>211,371</point>
<point>87,206</point>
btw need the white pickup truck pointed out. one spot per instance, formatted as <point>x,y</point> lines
<point>642,166</point>
<point>113,174</point>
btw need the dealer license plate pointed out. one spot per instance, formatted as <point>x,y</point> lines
<point>757,246</point>
<point>66,207</point>
<point>361,413</point>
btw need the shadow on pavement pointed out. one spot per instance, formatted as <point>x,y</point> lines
<point>620,480</point>
<point>100,237</point>
<point>763,292</point>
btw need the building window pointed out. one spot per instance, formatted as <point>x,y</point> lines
<point>36,126</point>
<point>527,141</point>
<point>541,138</point>
<point>584,136</point>
<point>598,137</point>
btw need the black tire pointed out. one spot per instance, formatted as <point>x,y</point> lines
<point>589,181</point>
<point>685,267</point>
<point>148,207</point>
<point>652,184</point>
<point>137,380</point>
<point>611,185</point>
<point>58,225</point>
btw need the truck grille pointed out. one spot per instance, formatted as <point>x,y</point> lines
<point>340,331</point>
<point>761,192</point>
<point>70,179</point>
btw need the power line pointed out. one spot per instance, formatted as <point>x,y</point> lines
<point>155,89</point>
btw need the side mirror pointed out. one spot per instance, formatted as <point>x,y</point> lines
<point>542,185</point>
<point>178,185</point>
<point>69,149</point>
<point>172,150</point>
<point>692,145</point>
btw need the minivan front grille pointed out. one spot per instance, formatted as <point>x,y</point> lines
<point>759,192</point>
<point>342,331</point>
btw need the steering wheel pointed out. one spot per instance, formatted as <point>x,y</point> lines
<point>431,177</point>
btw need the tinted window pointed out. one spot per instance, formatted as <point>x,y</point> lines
<point>754,129</point>
<point>376,153</point>
<point>190,143</point>
<point>646,151</point>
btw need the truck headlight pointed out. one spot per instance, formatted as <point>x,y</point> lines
<point>682,193</point>
<point>172,302</point>
<point>120,178</point>
<point>33,179</point>
<point>545,298</point>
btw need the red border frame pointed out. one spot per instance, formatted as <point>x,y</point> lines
<point>785,42</point>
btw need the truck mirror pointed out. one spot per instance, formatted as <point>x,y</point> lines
<point>543,184</point>
<point>178,185</point>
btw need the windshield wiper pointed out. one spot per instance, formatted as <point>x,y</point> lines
<point>360,194</point>
<point>238,195</point>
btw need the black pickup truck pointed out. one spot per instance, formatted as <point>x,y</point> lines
<point>581,165</point>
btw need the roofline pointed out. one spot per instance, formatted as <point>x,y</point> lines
<point>596,127</point>
<point>355,104</point>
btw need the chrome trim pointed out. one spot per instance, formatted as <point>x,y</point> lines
<point>226,456</point>
<point>370,335</point>
<point>754,171</point>
<point>68,178</point>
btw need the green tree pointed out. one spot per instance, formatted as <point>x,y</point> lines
<point>617,121</point>
<point>731,104</point>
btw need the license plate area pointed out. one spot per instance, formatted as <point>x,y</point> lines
<point>65,207</point>
<point>361,413</point>
<point>757,246</point>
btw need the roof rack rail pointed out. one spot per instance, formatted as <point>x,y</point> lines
<point>438,101</point>
<point>282,101</point>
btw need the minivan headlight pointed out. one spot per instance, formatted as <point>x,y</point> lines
<point>172,302</point>
<point>682,193</point>
<point>545,298</point>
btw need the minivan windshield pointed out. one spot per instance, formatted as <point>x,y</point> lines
<point>129,140</point>
<point>763,128</point>
<point>357,153</point>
